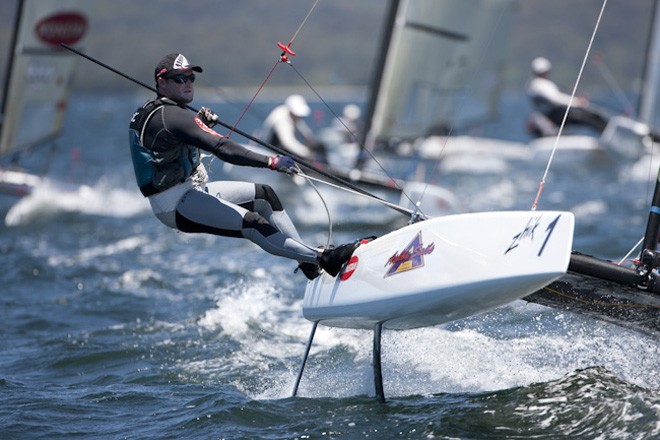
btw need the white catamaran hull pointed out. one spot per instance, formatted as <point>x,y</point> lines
<point>444,269</point>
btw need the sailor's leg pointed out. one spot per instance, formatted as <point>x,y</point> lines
<point>585,116</point>
<point>268,205</point>
<point>257,229</point>
<point>203,212</point>
<point>258,198</point>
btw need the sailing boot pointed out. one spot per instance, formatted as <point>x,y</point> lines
<point>332,260</point>
<point>311,270</point>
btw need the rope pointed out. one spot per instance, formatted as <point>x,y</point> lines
<point>299,160</point>
<point>568,108</point>
<point>337,117</point>
<point>284,58</point>
<point>601,303</point>
<point>303,23</point>
<point>280,59</point>
<point>261,86</point>
<point>309,180</point>
<point>641,240</point>
<point>379,200</point>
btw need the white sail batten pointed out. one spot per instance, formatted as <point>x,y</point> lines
<point>40,72</point>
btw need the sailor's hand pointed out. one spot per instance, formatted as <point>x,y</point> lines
<point>581,100</point>
<point>283,164</point>
<point>207,116</point>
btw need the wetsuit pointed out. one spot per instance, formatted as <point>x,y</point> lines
<point>549,101</point>
<point>281,130</point>
<point>165,140</point>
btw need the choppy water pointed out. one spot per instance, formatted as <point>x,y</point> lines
<point>114,326</point>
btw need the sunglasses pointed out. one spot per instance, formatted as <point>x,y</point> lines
<point>181,79</point>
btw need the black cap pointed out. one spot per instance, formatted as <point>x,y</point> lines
<point>173,64</point>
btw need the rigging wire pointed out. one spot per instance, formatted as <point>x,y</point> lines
<point>641,240</point>
<point>295,34</point>
<point>568,108</point>
<point>620,95</point>
<point>299,160</point>
<point>284,58</point>
<point>473,80</point>
<point>436,167</point>
<point>261,86</point>
<point>337,117</point>
<point>381,201</point>
<point>286,49</point>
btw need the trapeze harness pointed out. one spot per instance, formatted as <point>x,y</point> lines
<point>165,140</point>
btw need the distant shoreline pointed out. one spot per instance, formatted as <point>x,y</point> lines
<point>339,93</point>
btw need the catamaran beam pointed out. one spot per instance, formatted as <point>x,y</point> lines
<point>588,265</point>
<point>606,270</point>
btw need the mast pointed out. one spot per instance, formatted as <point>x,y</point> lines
<point>10,62</point>
<point>378,71</point>
<point>649,92</point>
<point>652,234</point>
<point>647,106</point>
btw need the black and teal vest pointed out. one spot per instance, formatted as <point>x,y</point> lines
<point>160,160</point>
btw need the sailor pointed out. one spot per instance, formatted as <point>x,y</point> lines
<point>348,125</point>
<point>285,127</point>
<point>165,142</point>
<point>550,104</point>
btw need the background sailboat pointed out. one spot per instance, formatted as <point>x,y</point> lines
<point>440,76</point>
<point>37,87</point>
<point>440,72</point>
<point>429,76</point>
<point>624,292</point>
<point>631,136</point>
<point>441,67</point>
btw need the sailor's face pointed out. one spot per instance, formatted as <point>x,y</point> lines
<point>179,88</point>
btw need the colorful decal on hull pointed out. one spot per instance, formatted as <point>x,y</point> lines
<point>411,257</point>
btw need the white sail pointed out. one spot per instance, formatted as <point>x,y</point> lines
<point>40,72</point>
<point>442,66</point>
<point>650,87</point>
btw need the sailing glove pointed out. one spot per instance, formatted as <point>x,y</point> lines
<point>283,164</point>
<point>207,116</point>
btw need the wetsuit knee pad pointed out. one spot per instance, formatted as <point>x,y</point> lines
<point>267,193</point>
<point>252,220</point>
